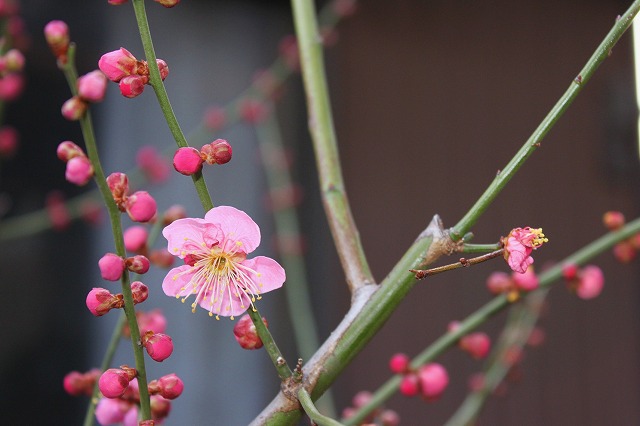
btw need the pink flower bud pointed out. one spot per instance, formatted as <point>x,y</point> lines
<point>113,383</point>
<point>161,258</point>
<point>132,85</point>
<point>499,282</point>
<point>390,418</point>
<point>613,220</point>
<point>169,386</point>
<point>168,3</point>
<point>8,141</point>
<point>410,385</point>
<point>288,48</point>
<point>160,407</point>
<point>246,334</point>
<point>116,2</point>
<point>57,35</point>
<point>163,68</point>
<point>135,239</point>
<point>68,150</point>
<point>140,206</point>
<point>111,266</point>
<point>624,252</point>
<point>361,398</point>
<point>570,272</point>
<point>74,108</point>
<point>140,292</point>
<point>159,346</point>
<point>92,86</point>
<point>216,152</point>
<point>433,380</point>
<point>591,282</point>
<point>476,344</point>
<point>519,245</point>
<point>100,301</point>
<point>153,164</point>
<point>112,411</point>
<point>215,117</point>
<point>253,111</point>
<point>187,161</point>
<point>174,213</point>
<point>118,64</point>
<point>399,363</point>
<point>138,264</point>
<point>151,321</point>
<point>344,8</point>
<point>74,383</point>
<point>14,60</point>
<point>119,185</point>
<point>79,171</point>
<point>527,281</point>
<point>11,86</point>
<point>57,210</point>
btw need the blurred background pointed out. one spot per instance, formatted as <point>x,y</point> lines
<point>430,99</point>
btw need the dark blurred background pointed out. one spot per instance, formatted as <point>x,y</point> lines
<point>430,98</point>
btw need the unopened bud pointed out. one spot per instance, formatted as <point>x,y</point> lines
<point>74,108</point>
<point>159,346</point>
<point>140,292</point>
<point>187,161</point>
<point>246,334</point>
<point>217,152</point>
<point>111,267</point>
<point>138,264</point>
<point>140,206</point>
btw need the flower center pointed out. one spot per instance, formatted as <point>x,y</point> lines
<point>539,238</point>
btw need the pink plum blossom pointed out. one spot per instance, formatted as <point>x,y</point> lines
<point>216,270</point>
<point>79,171</point>
<point>92,86</point>
<point>518,246</point>
<point>591,282</point>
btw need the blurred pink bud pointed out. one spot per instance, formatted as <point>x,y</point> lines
<point>613,220</point>
<point>9,141</point>
<point>174,213</point>
<point>217,152</point>
<point>168,3</point>
<point>112,411</point>
<point>570,272</point>
<point>288,48</point>
<point>433,380</point>
<point>624,252</point>
<point>499,282</point>
<point>57,35</point>
<point>389,418</point>
<point>68,150</point>
<point>135,239</point>
<point>140,292</point>
<point>132,85</point>
<point>14,60</point>
<point>91,212</point>
<point>153,321</point>
<point>246,334</point>
<point>361,398</point>
<point>527,281</point>
<point>160,408</point>
<point>162,258</point>
<point>476,344</point>
<point>79,170</point>
<point>113,383</point>
<point>159,346</point>
<point>591,282</point>
<point>11,86</point>
<point>119,185</point>
<point>117,3</point>
<point>138,264</point>
<point>410,385</point>
<point>57,210</point>
<point>111,266</point>
<point>215,117</point>
<point>118,64</point>
<point>74,108</point>
<point>476,382</point>
<point>100,301</point>
<point>140,206</point>
<point>187,161</point>
<point>74,383</point>
<point>344,8</point>
<point>92,86</point>
<point>169,386</point>
<point>153,164</point>
<point>253,110</point>
<point>163,68</point>
<point>399,363</point>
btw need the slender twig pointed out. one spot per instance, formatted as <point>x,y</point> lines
<point>334,196</point>
<point>312,411</point>
<point>462,263</point>
<point>576,85</point>
<point>270,345</point>
<point>487,311</point>
<point>480,248</point>
<point>88,134</point>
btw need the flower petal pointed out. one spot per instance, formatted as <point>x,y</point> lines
<point>268,275</point>
<point>239,229</point>
<point>177,282</point>
<point>227,303</point>
<point>187,235</point>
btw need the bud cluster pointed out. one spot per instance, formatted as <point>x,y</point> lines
<point>120,66</point>
<point>189,160</point>
<point>587,283</point>
<point>379,416</point>
<point>79,169</point>
<point>476,344</point>
<point>512,285</point>
<point>140,206</point>
<point>429,380</point>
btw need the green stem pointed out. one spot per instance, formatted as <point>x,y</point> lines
<point>489,310</point>
<point>336,204</point>
<point>504,176</point>
<point>480,248</point>
<point>88,134</point>
<point>270,345</point>
<point>312,411</point>
<point>520,323</point>
<point>163,99</point>
<point>89,418</point>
